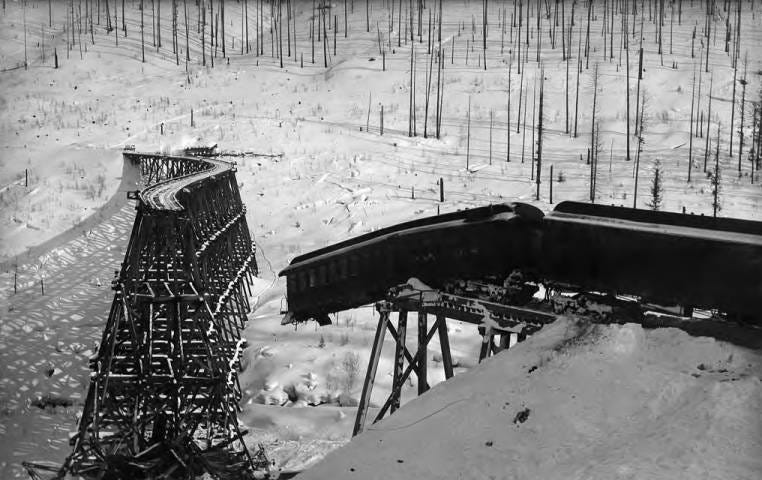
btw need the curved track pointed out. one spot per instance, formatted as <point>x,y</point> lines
<point>164,384</point>
<point>163,195</point>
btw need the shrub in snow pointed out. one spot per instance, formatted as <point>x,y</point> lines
<point>348,400</point>
<point>351,367</point>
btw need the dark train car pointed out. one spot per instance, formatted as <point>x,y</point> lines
<point>474,243</point>
<point>664,258</point>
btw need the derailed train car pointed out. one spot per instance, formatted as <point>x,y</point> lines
<point>661,257</point>
<point>657,257</point>
<point>487,241</point>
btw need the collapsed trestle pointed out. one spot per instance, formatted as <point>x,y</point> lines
<point>496,322</point>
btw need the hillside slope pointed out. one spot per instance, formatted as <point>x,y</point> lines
<point>596,402</point>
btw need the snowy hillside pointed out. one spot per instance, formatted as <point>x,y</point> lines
<point>577,402</point>
<point>317,169</point>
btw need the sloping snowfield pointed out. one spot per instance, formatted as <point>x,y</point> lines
<point>577,401</point>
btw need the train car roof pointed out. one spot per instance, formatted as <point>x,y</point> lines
<point>735,225</point>
<point>523,210</point>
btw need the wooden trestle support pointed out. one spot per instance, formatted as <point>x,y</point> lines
<point>164,391</point>
<point>494,320</point>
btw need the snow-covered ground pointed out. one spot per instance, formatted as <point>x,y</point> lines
<point>320,176</point>
<point>576,402</point>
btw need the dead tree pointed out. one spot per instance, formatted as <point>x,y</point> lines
<point>142,39</point>
<point>733,108</point>
<point>468,135</point>
<point>187,47</point>
<point>627,87</point>
<point>690,137</point>
<point>576,100</point>
<point>595,104</point>
<point>539,134</point>
<point>508,119</point>
<point>587,36</point>
<point>708,120</point>
<point>641,141</point>
<point>740,118</point>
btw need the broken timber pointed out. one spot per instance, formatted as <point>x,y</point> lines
<point>493,319</point>
<point>162,401</point>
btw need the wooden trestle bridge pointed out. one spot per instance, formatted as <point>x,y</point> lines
<point>497,322</point>
<point>164,391</point>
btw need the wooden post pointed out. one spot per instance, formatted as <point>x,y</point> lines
<point>444,342</point>
<point>422,357</point>
<point>370,376</point>
<point>441,189</point>
<point>367,121</point>
<point>486,347</point>
<point>26,177</point>
<point>192,125</point>
<point>551,184</point>
<point>382,120</point>
<point>399,359</point>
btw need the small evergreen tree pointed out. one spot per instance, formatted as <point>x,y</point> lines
<point>716,178</point>
<point>657,189</point>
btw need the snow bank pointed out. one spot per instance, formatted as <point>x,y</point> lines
<point>577,401</point>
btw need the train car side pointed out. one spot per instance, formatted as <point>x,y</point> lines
<point>468,245</point>
<point>671,261</point>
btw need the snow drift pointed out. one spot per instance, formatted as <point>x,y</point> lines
<point>577,401</point>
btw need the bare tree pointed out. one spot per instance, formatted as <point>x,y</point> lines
<point>627,87</point>
<point>690,137</point>
<point>641,141</point>
<point>187,48</point>
<point>508,120</point>
<point>733,107</point>
<point>41,271</point>
<point>142,38</point>
<point>579,68</point>
<point>708,120</point>
<point>351,366</point>
<point>539,134</point>
<point>740,118</point>
<point>595,105</point>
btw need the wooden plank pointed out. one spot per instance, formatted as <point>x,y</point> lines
<point>399,357</point>
<point>444,342</point>
<point>423,343</point>
<point>370,377</point>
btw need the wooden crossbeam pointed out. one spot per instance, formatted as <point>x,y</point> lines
<point>419,354</point>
